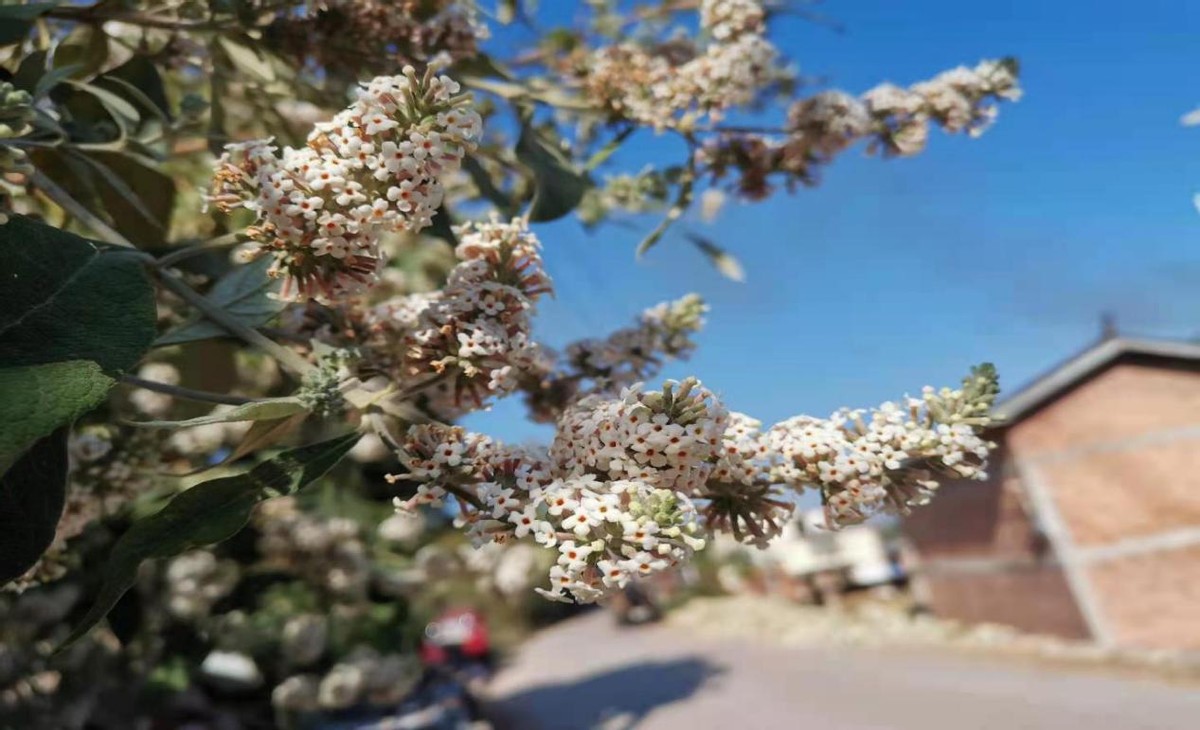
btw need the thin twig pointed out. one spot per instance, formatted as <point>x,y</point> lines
<point>72,206</point>
<point>734,129</point>
<point>464,496</point>
<point>202,396</point>
<point>90,15</point>
<point>171,281</point>
<point>174,257</point>
<point>286,357</point>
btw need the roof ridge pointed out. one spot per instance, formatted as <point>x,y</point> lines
<point>1084,364</point>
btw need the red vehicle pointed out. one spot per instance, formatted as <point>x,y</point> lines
<point>456,640</point>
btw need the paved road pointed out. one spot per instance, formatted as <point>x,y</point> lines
<point>586,673</point>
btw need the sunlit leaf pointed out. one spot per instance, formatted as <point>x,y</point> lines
<point>264,410</point>
<point>37,399</point>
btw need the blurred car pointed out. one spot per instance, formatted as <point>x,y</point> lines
<point>458,640</point>
<point>635,605</point>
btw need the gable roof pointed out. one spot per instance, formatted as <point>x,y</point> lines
<point>1088,363</point>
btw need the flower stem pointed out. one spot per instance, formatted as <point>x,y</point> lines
<point>286,357</point>
<point>202,396</point>
<point>74,208</point>
<point>174,257</point>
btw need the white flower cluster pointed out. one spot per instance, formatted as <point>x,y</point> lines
<point>363,677</point>
<point>885,461</point>
<point>328,553</point>
<point>196,581</point>
<point>629,355</point>
<point>476,330</point>
<point>741,496</point>
<point>377,167</point>
<point>607,365</point>
<point>610,496</point>
<point>631,483</point>
<point>40,688</point>
<point>958,100</point>
<point>728,19</point>
<point>892,119</point>
<point>673,85</point>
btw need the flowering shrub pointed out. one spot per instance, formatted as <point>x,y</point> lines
<point>316,220</point>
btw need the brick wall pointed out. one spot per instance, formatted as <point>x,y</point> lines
<point>1119,456</point>
<point>981,558</point>
<point>970,519</point>
<point>1033,598</point>
<point>1152,599</point>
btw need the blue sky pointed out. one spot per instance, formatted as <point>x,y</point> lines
<point>898,273</point>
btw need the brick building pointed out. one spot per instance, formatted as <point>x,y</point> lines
<point>1089,526</point>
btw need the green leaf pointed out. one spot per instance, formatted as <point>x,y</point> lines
<point>139,80</point>
<point>31,502</point>
<point>724,261</point>
<point>244,293</point>
<point>683,200</point>
<point>36,399</point>
<point>54,77</point>
<point>247,59</point>
<point>264,434</point>
<point>66,298</point>
<point>259,411</point>
<point>559,186</point>
<point>138,198</point>
<point>123,113</point>
<point>71,313</point>
<point>609,149</point>
<point>16,20</point>
<point>652,239</point>
<point>487,187</point>
<point>85,46</point>
<point>207,514</point>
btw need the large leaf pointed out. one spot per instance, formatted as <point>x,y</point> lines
<point>36,399</point>
<point>206,514</point>
<point>65,298</point>
<point>243,293</point>
<point>16,20</point>
<point>31,502</point>
<point>71,314</point>
<point>559,186</point>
